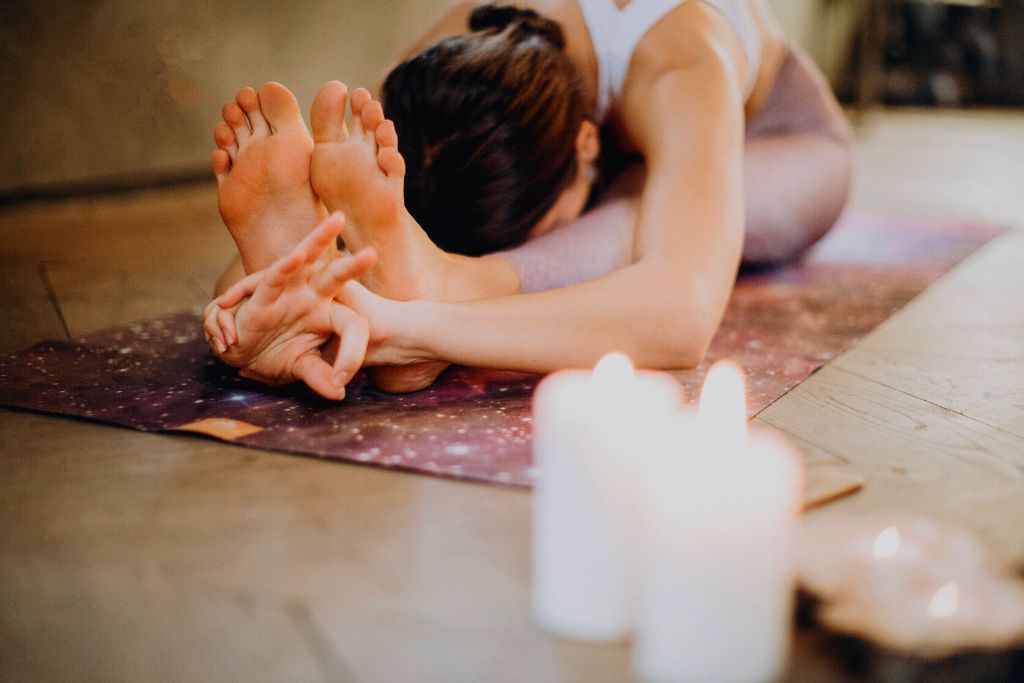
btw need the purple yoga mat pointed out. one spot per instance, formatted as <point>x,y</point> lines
<point>781,325</point>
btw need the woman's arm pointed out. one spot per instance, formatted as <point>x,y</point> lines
<point>663,309</point>
<point>687,119</point>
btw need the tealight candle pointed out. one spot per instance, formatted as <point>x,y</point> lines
<point>835,553</point>
<point>911,585</point>
<point>718,585</point>
<point>591,434</point>
<point>934,618</point>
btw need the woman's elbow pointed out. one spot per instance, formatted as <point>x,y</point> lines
<point>680,341</point>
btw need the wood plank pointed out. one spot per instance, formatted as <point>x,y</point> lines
<point>146,229</point>
<point>961,343</point>
<point>93,299</point>
<point>113,624</point>
<point>27,314</point>
<point>112,260</point>
<point>916,457</point>
<point>949,163</point>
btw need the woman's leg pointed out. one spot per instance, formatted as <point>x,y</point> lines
<point>796,186</point>
<point>797,168</point>
<point>595,244</point>
<point>797,164</point>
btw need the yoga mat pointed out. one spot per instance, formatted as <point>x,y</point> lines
<point>781,325</point>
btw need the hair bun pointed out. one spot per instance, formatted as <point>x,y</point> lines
<point>524,23</point>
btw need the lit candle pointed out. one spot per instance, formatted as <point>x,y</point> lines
<point>934,617</point>
<point>911,585</point>
<point>719,576</point>
<point>839,555</point>
<point>591,435</point>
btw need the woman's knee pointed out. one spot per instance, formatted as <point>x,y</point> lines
<point>806,191</point>
<point>828,204</point>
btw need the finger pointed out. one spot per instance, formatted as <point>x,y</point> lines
<point>318,376</point>
<point>314,244</point>
<point>354,331</point>
<point>331,279</point>
<point>239,291</point>
<point>276,278</point>
<point>256,377</point>
<point>227,333</point>
<point>212,330</point>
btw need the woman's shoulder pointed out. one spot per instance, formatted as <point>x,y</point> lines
<point>692,33</point>
<point>700,33</point>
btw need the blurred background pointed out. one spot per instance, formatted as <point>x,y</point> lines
<point>105,94</point>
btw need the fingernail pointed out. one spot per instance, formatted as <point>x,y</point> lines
<point>339,379</point>
<point>220,346</point>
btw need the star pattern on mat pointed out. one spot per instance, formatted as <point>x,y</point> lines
<point>781,325</point>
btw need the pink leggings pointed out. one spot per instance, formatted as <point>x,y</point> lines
<point>796,179</point>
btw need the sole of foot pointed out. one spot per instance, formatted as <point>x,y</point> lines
<point>361,173</point>
<point>262,167</point>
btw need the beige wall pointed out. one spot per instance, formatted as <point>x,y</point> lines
<point>109,88</point>
<point>99,89</point>
<point>823,29</point>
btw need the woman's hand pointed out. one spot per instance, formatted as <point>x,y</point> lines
<point>273,324</point>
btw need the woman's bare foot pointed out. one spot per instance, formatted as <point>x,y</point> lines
<point>262,169</point>
<point>362,174</point>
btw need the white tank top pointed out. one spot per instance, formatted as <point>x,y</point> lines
<point>615,34</point>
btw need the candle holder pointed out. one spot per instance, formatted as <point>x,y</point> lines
<point>868,660</point>
<point>912,600</point>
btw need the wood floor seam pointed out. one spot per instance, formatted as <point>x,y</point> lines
<point>52,296</point>
<point>321,649</point>
<point>929,402</point>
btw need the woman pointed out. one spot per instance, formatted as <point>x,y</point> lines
<point>744,152</point>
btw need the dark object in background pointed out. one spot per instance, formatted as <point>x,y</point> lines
<point>871,662</point>
<point>937,52</point>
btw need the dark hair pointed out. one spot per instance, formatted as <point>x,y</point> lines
<point>487,123</point>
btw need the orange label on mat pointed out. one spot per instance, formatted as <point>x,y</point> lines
<point>221,428</point>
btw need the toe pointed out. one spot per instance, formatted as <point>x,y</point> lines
<point>225,139</point>
<point>386,134</point>
<point>360,98</point>
<point>328,113</point>
<point>234,117</point>
<point>221,165</point>
<point>280,107</point>
<point>250,104</point>
<point>391,162</point>
<point>372,116</point>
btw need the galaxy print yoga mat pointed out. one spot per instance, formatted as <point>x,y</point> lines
<point>782,324</point>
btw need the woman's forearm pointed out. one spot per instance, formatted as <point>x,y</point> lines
<point>568,327</point>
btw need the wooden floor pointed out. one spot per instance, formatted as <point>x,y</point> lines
<point>127,556</point>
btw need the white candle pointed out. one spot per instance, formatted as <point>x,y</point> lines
<point>591,434</point>
<point>718,585</point>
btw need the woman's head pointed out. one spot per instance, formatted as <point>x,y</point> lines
<point>489,124</point>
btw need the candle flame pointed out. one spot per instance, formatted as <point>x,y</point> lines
<point>613,372</point>
<point>887,544</point>
<point>723,400</point>
<point>946,601</point>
